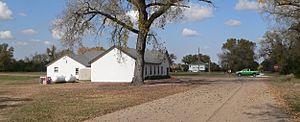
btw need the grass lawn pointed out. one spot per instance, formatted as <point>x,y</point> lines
<point>23,73</point>
<point>12,80</point>
<point>198,74</point>
<point>288,90</point>
<point>25,100</point>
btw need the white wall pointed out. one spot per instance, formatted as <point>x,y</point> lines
<point>85,74</point>
<point>196,68</point>
<point>166,65</point>
<point>112,68</point>
<point>162,72</point>
<point>66,67</point>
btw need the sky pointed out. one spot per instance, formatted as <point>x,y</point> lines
<point>26,26</point>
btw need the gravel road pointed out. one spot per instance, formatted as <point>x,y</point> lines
<point>216,101</point>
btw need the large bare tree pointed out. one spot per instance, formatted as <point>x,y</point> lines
<point>285,12</point>
<point>282,43</point>
<point>82,17</point>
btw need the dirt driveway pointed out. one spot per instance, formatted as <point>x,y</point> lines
<point>216,100</point>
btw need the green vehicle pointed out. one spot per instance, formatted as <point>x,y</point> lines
<point>247,72</point>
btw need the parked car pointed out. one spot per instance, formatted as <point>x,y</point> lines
<point>247,72</point>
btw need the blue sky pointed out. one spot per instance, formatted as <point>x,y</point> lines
<point>26,25</point>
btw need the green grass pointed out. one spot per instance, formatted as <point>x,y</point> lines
<point>13,78</point>
<point>18,80</point>
<point>25,73</point>
<point>198,74</point>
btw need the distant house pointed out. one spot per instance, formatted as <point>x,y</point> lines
<point>112,65</point>
<point>71,64</point>
<point>197,66</point>
<point>117,65</point>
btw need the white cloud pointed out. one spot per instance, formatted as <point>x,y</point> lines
<point>198,13</point>
<point>23,14</point>
<point>29,32</point>
<point>189,32</point>
<point>5,12</point>
<point>206,47</point>
<point>233,22</point>
<point>133,15</point>
<point>248,5</point>
<point>35,40</point>
<point>21,43</point>
<point>56,33</point>
<point>6,35</point>
<point>47,43</point>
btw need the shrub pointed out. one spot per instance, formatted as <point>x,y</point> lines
<point>297,73</point>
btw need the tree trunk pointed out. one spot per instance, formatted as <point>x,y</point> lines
<point>138,78</point>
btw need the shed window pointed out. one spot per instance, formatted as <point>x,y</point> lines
<point>158,70</point>
<point>55,69</point>
<point>76,71</point>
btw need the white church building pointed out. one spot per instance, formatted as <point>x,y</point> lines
<point>112,65</point>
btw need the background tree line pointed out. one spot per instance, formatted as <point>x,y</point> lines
<point>190,58</point>
<point>238,54</point>
<point>35,63</point>
<point>281,45</point>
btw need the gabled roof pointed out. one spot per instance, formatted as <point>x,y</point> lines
<point>83,59</point>
<point>197,63</point>
<point>86,57</point>
<point>151,56</point>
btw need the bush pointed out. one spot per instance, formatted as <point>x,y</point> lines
<point>297,74</point>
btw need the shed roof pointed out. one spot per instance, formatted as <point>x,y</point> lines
<point>83,59</point>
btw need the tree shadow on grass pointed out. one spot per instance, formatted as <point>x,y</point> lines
<point>200,81</point>
<point>177,82</point>
<point>6,102</point>
<point>268,113</point>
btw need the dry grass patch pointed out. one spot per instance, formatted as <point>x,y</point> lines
<point>287,91</point>
<point>76,101</point>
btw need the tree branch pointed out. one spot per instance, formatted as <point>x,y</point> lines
<point>94,12</point>
<point>166,6</point>
<point>163,4</point>
<point>159,12</point>
<point>113,19</point>
<point>288,4</point>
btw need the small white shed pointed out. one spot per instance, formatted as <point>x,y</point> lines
<point>197,66</point>
<point>70,65</point>
<point>64,66</point>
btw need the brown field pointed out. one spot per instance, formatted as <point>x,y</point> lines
<point>23,99</point>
